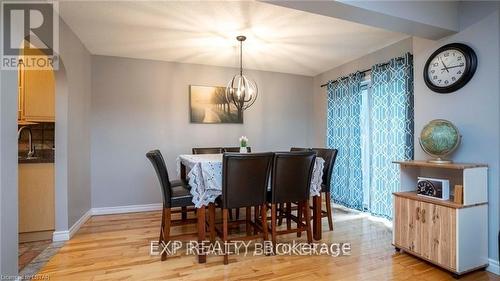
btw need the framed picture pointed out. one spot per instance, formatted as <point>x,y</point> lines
<point>208,105</point>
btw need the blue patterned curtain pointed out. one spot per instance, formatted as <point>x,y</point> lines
<point>392,129</point>
<point>343,133</point>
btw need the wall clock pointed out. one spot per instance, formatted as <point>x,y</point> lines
<point>450,67</point>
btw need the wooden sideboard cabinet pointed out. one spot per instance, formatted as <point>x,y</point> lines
<point>451,235</point>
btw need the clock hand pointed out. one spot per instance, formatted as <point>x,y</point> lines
<point>452,67</point>
<point>446,68</point>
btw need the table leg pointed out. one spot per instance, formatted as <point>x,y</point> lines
<point>201,232</point>
<point>317,217</point>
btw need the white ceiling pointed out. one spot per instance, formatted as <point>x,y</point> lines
<point>279,39</point>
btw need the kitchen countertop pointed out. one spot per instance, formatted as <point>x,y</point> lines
<point>41,156</point>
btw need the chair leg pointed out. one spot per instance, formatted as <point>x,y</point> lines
<point>161,226</point>
<point>224,232</point>
<point>166,230</point>
<point>273,226</point>
<point>211,221</point>
<point>307,213</point>
<point>299,216</point>
<point>288,213</point>
<point>263,219</point>
<point>329,210</point>
<point>280,220</point>
<point>255,217</point>
<point>184,213</point>
<point>248,218</point>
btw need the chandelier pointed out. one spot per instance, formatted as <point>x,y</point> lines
<point>241,90</point>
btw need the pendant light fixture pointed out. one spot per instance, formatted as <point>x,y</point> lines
<point>241,90</point>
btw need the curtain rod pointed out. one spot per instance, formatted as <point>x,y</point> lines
<point>363,71</point>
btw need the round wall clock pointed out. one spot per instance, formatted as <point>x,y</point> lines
<point>450,67</point>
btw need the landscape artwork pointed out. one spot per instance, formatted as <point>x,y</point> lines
<point>208,105</point>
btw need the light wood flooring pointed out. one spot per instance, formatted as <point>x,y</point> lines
<point>116,247</point>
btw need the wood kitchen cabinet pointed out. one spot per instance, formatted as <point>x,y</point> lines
<point>36,94</point>
<point>36,201</point>
<point>451,235</point>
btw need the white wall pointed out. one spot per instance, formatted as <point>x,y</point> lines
<point>72,133</point>
<point>474,108</point>
<point>318,123</point>
<point>8,173</point>
<point>138,105</point>
<point>438,13</point>
<point>77,60</point>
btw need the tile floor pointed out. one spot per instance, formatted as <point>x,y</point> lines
<point>30,250</point>
<point>34,255</point>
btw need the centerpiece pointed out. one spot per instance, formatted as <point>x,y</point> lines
<point>243,144</point>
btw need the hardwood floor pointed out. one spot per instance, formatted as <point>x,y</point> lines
<point>116,247</point>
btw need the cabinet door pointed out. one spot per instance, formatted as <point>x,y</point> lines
<point>407,224</point>
<point>36,197</point>
<point>39,95</point>
<point>438,239</point>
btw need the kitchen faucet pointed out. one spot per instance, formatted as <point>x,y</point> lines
<point>31,152</point>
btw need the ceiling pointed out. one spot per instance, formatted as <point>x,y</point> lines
<point>279,39</point>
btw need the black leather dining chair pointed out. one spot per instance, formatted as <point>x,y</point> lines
<point>285,211</point>
<point>290,182</point>
<point>208,150</point>
<point>244,185</point>
<point>175,194</point>
<point>329,155</point>
<point>236,149</point>
<point>295,149</point>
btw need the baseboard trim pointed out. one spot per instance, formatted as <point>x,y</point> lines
<point>126,209</point>
<point>65,235</point>
<point>62,235</point>
<point>494,266</point>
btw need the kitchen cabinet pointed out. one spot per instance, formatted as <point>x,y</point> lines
<point>36,201</point>
<point>36,94</point>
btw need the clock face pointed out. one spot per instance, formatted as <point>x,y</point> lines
<point>446,68</point>
<point>450,67</point>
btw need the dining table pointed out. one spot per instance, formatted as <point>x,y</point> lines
<point>203,172</point>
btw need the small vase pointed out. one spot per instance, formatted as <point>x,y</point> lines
<point>243,150</point>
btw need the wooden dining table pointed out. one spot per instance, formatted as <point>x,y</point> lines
<point>203,172</point>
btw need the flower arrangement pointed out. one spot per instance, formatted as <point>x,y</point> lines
<point>243,141</point>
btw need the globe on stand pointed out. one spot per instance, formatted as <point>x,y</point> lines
<point>439,138</point>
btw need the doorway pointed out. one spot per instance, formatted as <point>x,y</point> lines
<point>36,155</point>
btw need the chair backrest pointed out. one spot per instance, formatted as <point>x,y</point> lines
<point>329,155</point>
<point>245,179</point>
<point>208,150</point>
<point>161,171</point>
<point>291,177</point>
<point>236,149</point>
<point>299,149</point>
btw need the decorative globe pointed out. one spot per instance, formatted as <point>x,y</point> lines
<point>439,138</point>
